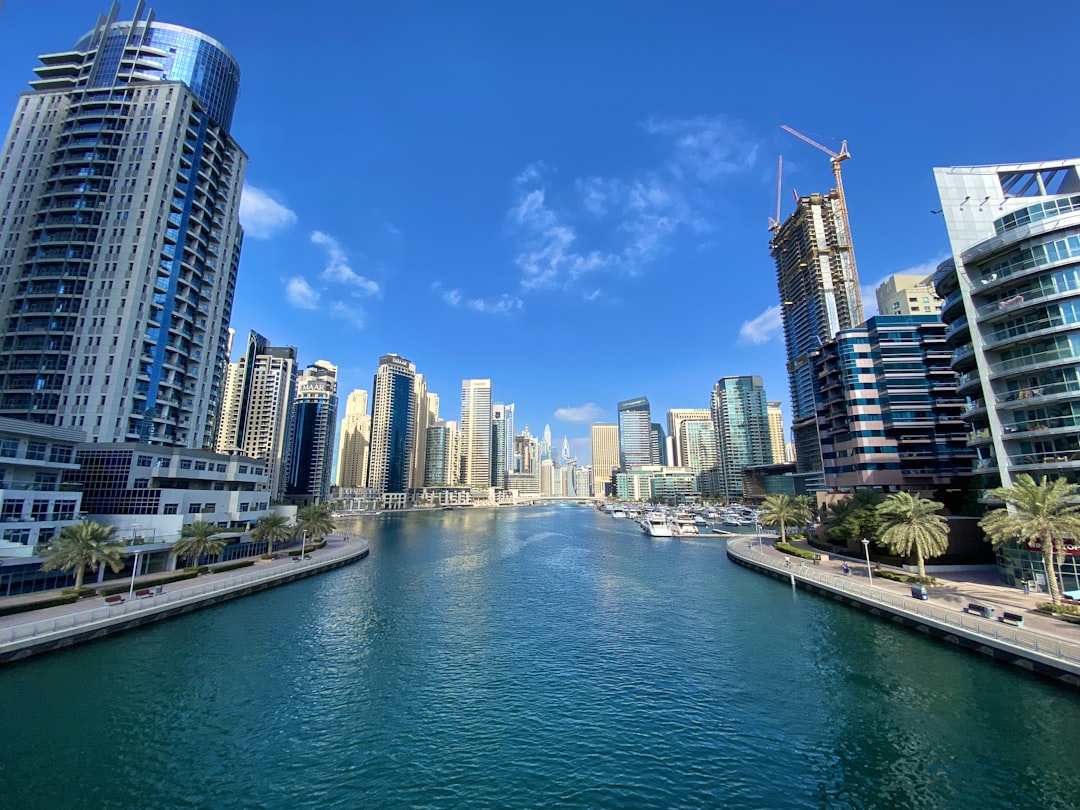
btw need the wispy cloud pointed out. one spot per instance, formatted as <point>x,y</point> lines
<point>706,147</point>
<point>589,412</point>
<point>454,298</point>
<point>338,268</point>
<point>761,329</point>
<point>261,215</point>
<point>353,315</point>
<point>300,294</point>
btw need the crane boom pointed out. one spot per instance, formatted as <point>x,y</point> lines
<point>774,224</point>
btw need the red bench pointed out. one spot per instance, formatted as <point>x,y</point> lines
<point>115,599</point>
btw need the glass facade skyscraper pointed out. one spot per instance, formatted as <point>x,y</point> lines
<point>393,425</point>
<point>740,412</point>
<point>311,453</point>
<point>121,187</point>
<point>635,433</point>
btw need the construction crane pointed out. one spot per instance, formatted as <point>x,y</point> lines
<point>774,224</point>
<point>836,158</point>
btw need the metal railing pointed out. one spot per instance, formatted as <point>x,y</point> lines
<point>65,622</point>
<point>1021,639</point>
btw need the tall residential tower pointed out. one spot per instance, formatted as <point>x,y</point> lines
<point>120,186</point>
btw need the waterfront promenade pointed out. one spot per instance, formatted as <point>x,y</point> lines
<point>1043,643</point>
<point>37,631</point>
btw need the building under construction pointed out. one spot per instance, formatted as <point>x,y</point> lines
<point>819,292</point>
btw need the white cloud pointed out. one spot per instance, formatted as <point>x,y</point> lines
<point>261,215</point>
<point>300,294</point>
<point>589,412</point>
<point>761,329</point>
<point>337,265</point>
<point>451,297</point>
<point>504,303</point>
<point>353,315</point>
<point>706,146</point>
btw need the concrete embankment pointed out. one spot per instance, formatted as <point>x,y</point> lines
<point>1051,651</point>
<point>41,631</point>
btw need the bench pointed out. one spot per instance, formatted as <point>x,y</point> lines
<point>115,599</point>
<point>1013,618</point>
<point>143,592</point>
<point>984,611</point>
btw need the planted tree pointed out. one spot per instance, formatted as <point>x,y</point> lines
<point>910,524</point>
<point>853,517</point>
<point>1038,515</point>
<point>314,522</point>
<point>81,546</point>
<point>272,528</point>
<point>786,510</point>
<point>197,539</point>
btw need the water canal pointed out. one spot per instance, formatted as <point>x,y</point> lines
<point>539,657</point>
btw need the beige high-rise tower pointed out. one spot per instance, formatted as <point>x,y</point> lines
<point>776,432</point>
<point>354,442</point>
<point>605,455</point>
<point>475,435</point>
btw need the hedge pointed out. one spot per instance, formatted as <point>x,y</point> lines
<point>217,569</point>
<point>794,551</point>
<point>8,610</point>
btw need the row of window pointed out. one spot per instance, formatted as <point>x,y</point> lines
<point>12,509</point>
<point>187,464</point>
<point>36,450</point>
<point>200,508</point>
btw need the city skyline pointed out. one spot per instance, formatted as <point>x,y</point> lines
<point>489,227</point>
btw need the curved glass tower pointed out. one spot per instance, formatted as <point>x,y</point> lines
<point>1012,308</point>
<point>121,190</point>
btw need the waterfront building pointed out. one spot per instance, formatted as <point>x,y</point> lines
<point>427,414</point>
<point>393,426</point>
<point>34,503</point>
<point>526,453</point>
<point>566,480</point>
<point>702,454</point>
<point>908,294</point>
<point>476,433</point>
<point>605,457</point>
<point>261,386</point>
<point>653,482</point>
<point>676,418</point>
<point>524,483</point>
<point>762,480</point>
<point>583,481</point>
<point>499,444</point>
<point>776,433</point>
<point>889,416</point>
<point>120,185</point>
<point>311,447</point>
<point>635,433</point>
<point>442,459</point>
<point>549,483</point>
<point>1012,307</point>
<point>354,440</point>
<point>741,420</point>
<point>508,419</point>
<point>657,444</point>
<point>819,296</point>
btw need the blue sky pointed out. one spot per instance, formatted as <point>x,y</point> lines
<point>571,198</point>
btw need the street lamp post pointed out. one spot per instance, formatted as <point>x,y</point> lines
<point>757,531</point>
<point>869,571</point>
<point>134,571</point>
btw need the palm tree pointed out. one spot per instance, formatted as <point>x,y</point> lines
<point>854,517</point>
<point>1037,515</point>
<point>315,522</point>
<point>84,545</point>
<point>911,523</point>
<point>783,510</point>
<point>197,539</point>
<point>273,528</point>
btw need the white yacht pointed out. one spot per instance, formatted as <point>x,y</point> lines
<point>684,526</point>
<point>655,524</point>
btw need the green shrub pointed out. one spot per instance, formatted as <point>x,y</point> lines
<point>81,593</point>
<point>217,569</point>
<point>195,571</point>
<point>786,548</point>
<point>53,601</point>
<point>1059,610</point>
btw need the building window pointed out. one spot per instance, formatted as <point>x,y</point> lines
<point>244,507</point>
<point>194,508</point>
<point>200,465</point>
<point>171,509</point>
<point>185,464</point>
<point>63,510</point>
<point>140,483</point>
<point>44,481</point>
<point>144,461</point>
<point>209,507</point>
<point>8,447</point>
<point>242,469</point>
<point>60,454</point>
<point>39,510</point>
<point>221,468</point>
<point>163,463</point>
<point>35,451</point>
<point>20,536</point>
<point>11,510</point>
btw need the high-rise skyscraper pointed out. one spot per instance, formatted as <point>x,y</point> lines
<point>907,294</point>
<point>499,441</point>
<point>354,442</point>
<point>475,436</point>
<point>776,433</point>
<point>676,418</point>
<point>605,456</point>
<point>658,444</point>
<point>393,425</point>
<point>120,186</point>
<point>311,451</point>
<point>526,452</point>
<point>819,296</point>
<point>635,433</point>
<point>741,419</point>
<point>257,418</point>
<point>442,457</point>
<point>545,443</point>
<point>427,414</point>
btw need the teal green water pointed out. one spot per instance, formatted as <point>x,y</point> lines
<point>540,657</point>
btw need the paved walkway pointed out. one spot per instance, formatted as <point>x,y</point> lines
<point>334,545</point>
<point>953,590</point>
